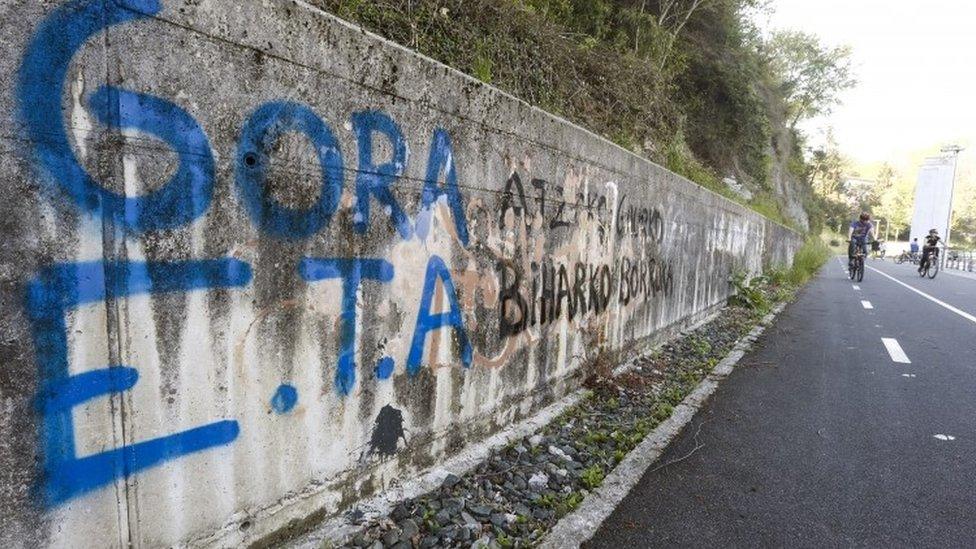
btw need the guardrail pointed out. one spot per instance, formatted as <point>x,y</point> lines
<point>960,260</point>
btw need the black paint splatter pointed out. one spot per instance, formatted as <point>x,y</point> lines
<point>387,432</point>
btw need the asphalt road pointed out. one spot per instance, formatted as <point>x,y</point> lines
<point>820,438</point>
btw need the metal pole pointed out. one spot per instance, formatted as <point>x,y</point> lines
<point>954,149</point>
<point>887,224</point>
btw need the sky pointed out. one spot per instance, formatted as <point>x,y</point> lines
<point>915,62</point>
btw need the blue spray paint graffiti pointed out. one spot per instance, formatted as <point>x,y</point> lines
<point>188,193</point>
<point>259,135</point>
<point>384,368</point>
<point>442,156</point>
<point>373,180</point>
<point>40,81</point>
<point>427,322</point>
<point>59,288</point>
<point>284,399</point>
<point>63,287</point>
<point>352,271</point>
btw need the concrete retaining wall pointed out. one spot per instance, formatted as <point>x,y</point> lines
<point>258,264</point>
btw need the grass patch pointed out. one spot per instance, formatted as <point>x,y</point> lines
<point>835,242</point>
<point>761,292</point>
<point>808,260</point>
<point>592,477</point>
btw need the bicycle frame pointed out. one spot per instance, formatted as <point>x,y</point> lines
<point>930,265</point>
<point>857,265</point>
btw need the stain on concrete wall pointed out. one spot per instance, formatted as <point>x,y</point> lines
<point>259,263</point>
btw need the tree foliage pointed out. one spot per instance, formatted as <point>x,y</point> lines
<point>964,218</point>
<point>811,75</point>
<point>827,169</point>
<point>827,172</point>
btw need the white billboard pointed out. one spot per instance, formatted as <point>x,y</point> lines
<point>933,197</point>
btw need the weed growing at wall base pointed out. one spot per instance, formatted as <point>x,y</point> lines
<point>748,292</point>
<point>807,261</point>
<point>778,284</point>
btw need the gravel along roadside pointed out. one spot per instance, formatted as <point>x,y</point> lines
<point>516,496</point>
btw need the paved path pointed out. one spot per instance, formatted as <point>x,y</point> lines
<point>825,435</point>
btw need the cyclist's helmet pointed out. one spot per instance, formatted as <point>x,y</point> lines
<point>933,231</point>
<point>865,216</point>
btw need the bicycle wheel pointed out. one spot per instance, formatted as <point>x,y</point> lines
<point>851,268</point>
<point>933,269</point>
<point>860,270</point>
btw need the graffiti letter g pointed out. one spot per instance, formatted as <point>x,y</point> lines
<point>40,82</point>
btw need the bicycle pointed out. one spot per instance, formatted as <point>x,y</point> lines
<point>856,271</point>
<point>930,266</point>
<point>909,257</point>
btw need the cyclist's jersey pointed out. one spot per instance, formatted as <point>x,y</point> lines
<point>932,240</point>
<point>861,229</point>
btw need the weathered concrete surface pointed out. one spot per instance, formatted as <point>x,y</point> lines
<point>258,264</point>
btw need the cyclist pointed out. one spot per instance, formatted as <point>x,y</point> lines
<point>931,247</point>
<point>859,235</point>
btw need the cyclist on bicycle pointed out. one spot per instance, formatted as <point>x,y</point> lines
<point>931,247</point>
<point>860,233</point>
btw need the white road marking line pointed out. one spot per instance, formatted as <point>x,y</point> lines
<point>959,312</point>
<point>908,375</point>
<point>866,304</point>
<point>856,287</point>
<point>894,350</point>
<point>940,436</point>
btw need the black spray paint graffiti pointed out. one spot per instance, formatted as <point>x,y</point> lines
<point>644,278</point>
<point>554,289</point>
<point>550,204</point>
<point>550,293</point>
<point>387,432</point>
<point>639,221</point>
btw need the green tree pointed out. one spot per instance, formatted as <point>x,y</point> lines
<point>861,194</point>
<point>826,172</point>
<point>827,169</point>
<point>811,75</point>
<point>672,16</point>
<point>886,178</point>
<point>964,218</point>
<point>895,199</point>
